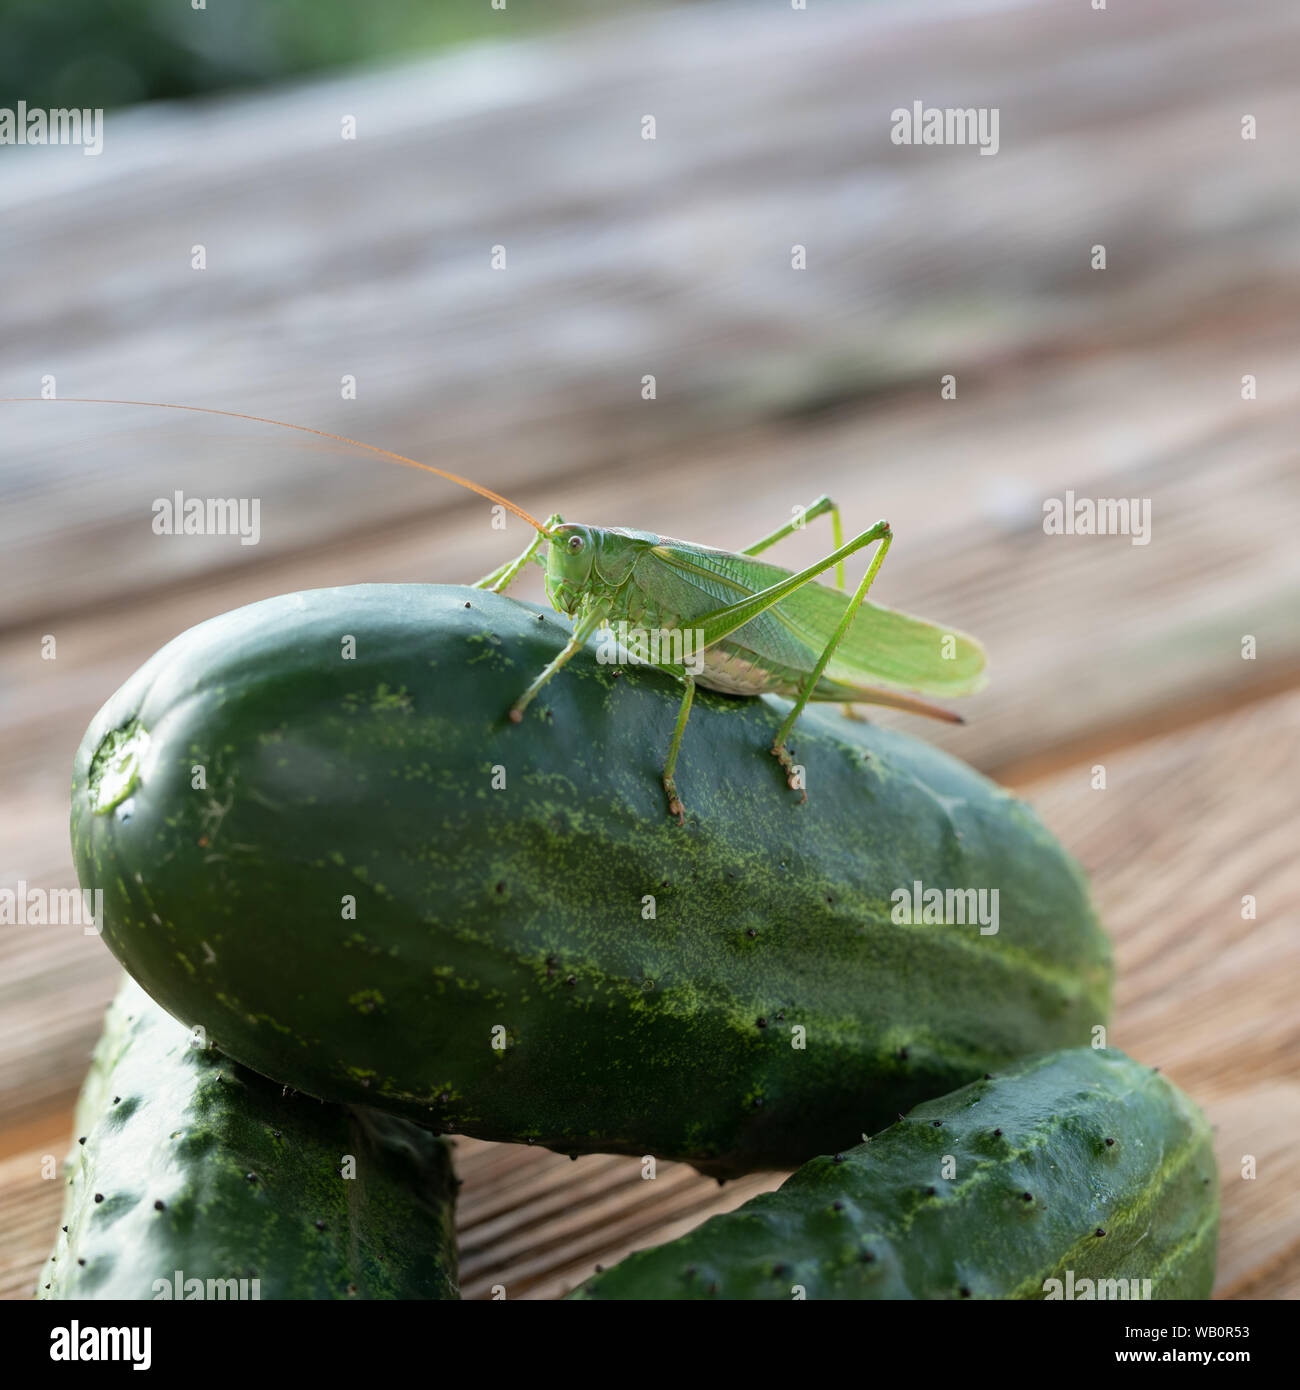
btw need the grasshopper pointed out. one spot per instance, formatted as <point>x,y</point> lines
<point>755,628</point>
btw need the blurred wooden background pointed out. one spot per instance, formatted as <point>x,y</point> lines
<point>671,257</point>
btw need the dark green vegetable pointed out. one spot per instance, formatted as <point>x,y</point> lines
<point>193,1177</point>
<point>1080,1167</point>
<point>362,880</point>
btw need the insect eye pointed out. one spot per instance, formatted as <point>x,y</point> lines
<point>575,544</point>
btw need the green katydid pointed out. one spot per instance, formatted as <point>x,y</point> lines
<point>756,628</point>
<point>759,629</point>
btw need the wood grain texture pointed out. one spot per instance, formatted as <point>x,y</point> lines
<point>371,258</point>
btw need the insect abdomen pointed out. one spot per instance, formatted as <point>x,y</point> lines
<point>737,671</point>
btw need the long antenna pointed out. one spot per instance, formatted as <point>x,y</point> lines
<point>304,429</point>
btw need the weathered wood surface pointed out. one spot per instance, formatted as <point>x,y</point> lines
<point>628,257</point>
<point>371,257</point>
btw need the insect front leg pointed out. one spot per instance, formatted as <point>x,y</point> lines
<point>583,629</point>
<point>504,575</point>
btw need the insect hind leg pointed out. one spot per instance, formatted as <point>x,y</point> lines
<point>882,533</point>
<point>675,807</point>
<point>820,507</point>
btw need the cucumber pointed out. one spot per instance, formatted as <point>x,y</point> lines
<point>193,1177</point>
<point>1080,1167</point>
<point>314,858</point>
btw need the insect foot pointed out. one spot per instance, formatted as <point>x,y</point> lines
<point>675,807</point>
<point>793,775</point>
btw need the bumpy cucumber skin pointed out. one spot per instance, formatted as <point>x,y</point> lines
<point>1036,1184</point>
<point>521,909</point>
<point>248,1179</point>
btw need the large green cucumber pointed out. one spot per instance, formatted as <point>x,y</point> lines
<point>1076,1175</point>
<point>193,1178</point>
<point>307,849</point>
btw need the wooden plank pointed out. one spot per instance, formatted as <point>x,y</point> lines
<point>971,546</point>
<point>29,1207</point>
<point>1186,826</point>
<point>627,256</point>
